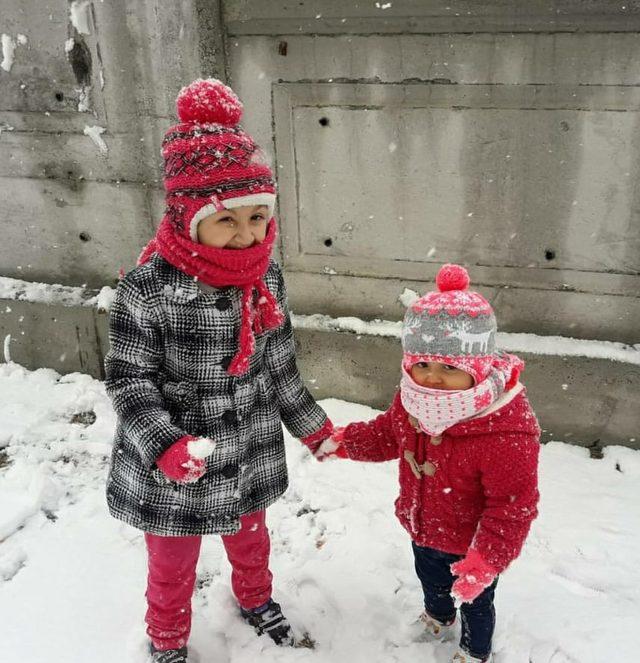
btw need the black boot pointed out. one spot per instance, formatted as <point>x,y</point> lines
<point>168,655</point>
<point>270,620</point>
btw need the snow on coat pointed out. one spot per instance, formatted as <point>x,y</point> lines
<point>480,482</point>
<point>171,343</point>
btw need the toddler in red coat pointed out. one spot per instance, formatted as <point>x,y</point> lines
<point>468,445</point>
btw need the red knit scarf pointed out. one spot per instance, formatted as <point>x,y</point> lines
<point>243,268</point>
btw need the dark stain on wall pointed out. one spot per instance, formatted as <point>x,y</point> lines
<point>80,59</point>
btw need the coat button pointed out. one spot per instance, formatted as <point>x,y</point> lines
<point>436,440</point>
<point>229,471</point>
<point>229,417</point>
<point>223,303</point>
<point>226,362</point>
<point>428,468</point>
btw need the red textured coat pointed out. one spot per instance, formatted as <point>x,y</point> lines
<point>485,485</point>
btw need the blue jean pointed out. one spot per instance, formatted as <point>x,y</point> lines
<point>478,618</point>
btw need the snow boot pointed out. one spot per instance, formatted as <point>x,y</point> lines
<point>435,631</point>
<point>461,656</point>
<point>168,655</point>
<point>269,619</point>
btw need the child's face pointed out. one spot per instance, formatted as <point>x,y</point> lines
<point>236,228</point>
<point>434,375</point>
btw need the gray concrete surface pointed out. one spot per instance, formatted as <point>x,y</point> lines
<point>514,154</point>
<point>578,400</point>
<point>590,402</point>
<point>503,135</point>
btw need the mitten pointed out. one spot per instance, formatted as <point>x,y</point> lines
<point>313,442</point>
<point>332,447</point>
<point>474,575</point>
<point>183,461</point>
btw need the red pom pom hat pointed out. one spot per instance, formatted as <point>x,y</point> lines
<point>210,162</point>
<point>452,325</point>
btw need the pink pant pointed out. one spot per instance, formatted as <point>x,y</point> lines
<point>172,575</point>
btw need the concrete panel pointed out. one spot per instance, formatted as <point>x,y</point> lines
<point>256,62</point>
<point>37,154</point>
<point>54,336</point>
<point>571,269</point>
<point>487,175</point>
<point>53,71</point>
<point>579,400</point>
<point>71,231</point>
<point>406,16</point>
<point>548,312</point>
<point>125,64</point>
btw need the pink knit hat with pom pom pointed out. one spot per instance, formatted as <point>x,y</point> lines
<point>452,325</point>
<point>210,163</point>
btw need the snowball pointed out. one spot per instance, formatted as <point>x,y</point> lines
<point>201,448</point>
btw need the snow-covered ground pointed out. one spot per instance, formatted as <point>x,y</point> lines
<point>72,579</point>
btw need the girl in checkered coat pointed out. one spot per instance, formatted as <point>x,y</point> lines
<point>468,443</point>
<point>202,372</point>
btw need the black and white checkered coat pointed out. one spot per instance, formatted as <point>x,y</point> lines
<point>165,373</point>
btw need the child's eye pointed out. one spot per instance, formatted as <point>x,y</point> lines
<point>422,364</point>
<point>258,217</point>
<point>448,367</point>
<point>226,219</point>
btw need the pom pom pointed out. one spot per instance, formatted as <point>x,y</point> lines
<point>452,277</point>
<point>209,101</point>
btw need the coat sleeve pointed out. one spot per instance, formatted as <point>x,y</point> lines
<point>299,412</point>
<point>375,440</point>
<point>510,483</point>
<point>131,367</point>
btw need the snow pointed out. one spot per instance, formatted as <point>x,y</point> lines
<point>408,297</point>
<point>84,99</point>
<point>510,342</point>
<point>79,15</point>
<point>103,299</point>
<point>48,293</point>
<point>201,448</point>
<point>8,52</point>
<point>72,578</point>
<point>16,289</point>
<point>95,133</point>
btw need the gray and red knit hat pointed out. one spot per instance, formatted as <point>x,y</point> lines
<point>210,162</point>
<point>453,325</point>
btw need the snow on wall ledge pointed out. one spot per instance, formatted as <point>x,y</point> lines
<point>531,343</point>
<point>46,293</point>
<point>54,293</point>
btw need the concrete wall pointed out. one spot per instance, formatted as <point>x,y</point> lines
<point>502,135</point>
<point>513,150</point>
<point>73,213</point>
<point>586,401</point>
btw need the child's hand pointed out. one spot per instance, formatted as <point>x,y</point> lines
<point>183,461</point>
<point>332,447</point>
<point>474,575</point>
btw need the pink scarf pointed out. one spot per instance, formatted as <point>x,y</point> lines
<point>438,409</point>
<point>243,268</point>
